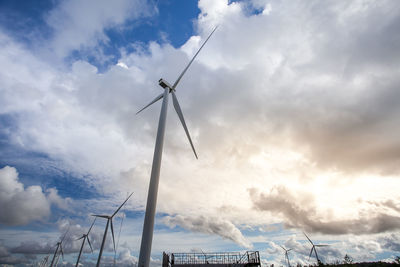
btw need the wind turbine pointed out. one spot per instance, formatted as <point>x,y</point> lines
<point>58,258</point>
<point>286,255</point>
<point>84,237</point>
<point>148,226</point>
<point>109,219</point>
<point>58,246</point>
<point>43,263</point>
<point>314,247</point>
<point>205,256</point>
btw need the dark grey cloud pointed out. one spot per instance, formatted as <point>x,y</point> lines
<point>389,204</point>
<point>6,257</point>
<point>303,215</point>
<point>34,247</point>
<point>350,122</point>
<point>390,242</point>
<point>71,245</point>
<point>356,137</point>
<point>338,103</point>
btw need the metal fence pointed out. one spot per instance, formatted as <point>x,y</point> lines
<point>249,257</point>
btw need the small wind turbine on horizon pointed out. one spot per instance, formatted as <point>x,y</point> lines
<point>286,255</point>
<point>58,246</point>
<point>148,226</point>
<point>43,263</point>
<point>109,221</point>
<point>84,237</point>
<point>205,256</point>
<point>57,259</point>
<point>314,248</point>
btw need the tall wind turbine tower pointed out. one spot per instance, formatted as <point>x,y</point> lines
<point>314,248</point>
<point>84,237</point>
<point>58,246</point>
<point>286,255</point>
<point>148,226</point>
<point>109,221</point>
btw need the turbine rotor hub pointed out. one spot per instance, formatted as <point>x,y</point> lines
<point>164,84</point>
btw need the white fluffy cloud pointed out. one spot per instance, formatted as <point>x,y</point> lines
<point>22,205</point>
<point>80,25</point>
<point>208,225</point>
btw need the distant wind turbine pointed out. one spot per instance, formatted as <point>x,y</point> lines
<point>286,255</point>
<point>148,226</point>
<point>205,256</point>
<point>119,234</point>
<point>57,259</point>
<point>314,248</point>
<point>58,246</point>
<point>43,263</point>
<point>109,219</point>
<point>84,237</point>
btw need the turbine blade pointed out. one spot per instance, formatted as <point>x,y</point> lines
<point>311,252</point>
<point>91,226</point>
<point>121,205</point>
<point>152,102</point>
<point>90,245</point>
<point>183,72</point>
<point>282,247</point>
<point>308,239</point>
<point>321,245</point>
<point>62,252</point>
<point>65,235</point>
<point>180,115</point>
<point>101,216</point>
<point>80,238</point>
<point>112,232</point>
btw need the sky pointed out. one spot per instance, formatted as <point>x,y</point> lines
<point>292,107</point>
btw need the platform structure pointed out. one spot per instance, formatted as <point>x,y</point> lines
<point>217,259</point>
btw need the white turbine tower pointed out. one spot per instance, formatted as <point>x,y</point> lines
<point>109,219</point>
<point>58,246</point>
<point>84,237</point>
<point>286,255</point>
<point>148,226</point>
<point>314,248</point>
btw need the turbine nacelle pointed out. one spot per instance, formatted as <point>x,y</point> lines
<point>164,84</point>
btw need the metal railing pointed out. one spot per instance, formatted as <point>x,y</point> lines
<point>249,257</point>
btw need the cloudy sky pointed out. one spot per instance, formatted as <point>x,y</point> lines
<point>293,108</point>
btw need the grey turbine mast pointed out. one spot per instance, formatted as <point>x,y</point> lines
<point>59,246</point>
<point>148,227</point>
<point>314,248</point>
<point>286,255</point>
<point>109,219</point>
<point>84,237</point>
